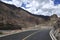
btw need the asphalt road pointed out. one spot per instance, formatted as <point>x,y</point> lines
<point>41,35</point>
<point>18,36</point>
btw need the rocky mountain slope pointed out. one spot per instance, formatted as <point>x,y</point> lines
<point>12,17</point>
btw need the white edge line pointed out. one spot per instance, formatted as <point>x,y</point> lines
<point>52,36</point>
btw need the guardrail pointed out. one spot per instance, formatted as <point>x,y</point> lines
<point>52,35</point>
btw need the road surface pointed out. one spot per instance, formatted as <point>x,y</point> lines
<point>41,35</point>
<point>36,35</point>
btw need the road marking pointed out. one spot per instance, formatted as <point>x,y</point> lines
<point>30,35</point>
<point>52,35</point>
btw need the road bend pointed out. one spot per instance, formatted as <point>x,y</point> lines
<point>29,35</point>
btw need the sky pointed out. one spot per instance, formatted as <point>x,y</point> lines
<point>38,7</point>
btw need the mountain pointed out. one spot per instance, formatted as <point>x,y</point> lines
<point>12,17</point>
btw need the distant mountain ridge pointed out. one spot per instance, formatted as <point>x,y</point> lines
<point>19,17</point>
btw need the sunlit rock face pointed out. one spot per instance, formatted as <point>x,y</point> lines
<point>38,7</point>
<point>57,24</point>
<point>54,17</point>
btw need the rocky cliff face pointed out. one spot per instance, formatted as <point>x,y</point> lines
<point>18,17</point>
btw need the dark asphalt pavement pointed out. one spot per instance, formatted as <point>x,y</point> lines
<point>41,35</point>
<point>18,36</point>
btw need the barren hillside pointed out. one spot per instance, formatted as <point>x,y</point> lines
<point>17,18</point>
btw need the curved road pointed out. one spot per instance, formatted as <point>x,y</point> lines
<point>39,35</point>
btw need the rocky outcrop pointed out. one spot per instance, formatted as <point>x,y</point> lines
<point>18,17</point>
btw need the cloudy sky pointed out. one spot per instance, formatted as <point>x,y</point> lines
<point>38,7</point>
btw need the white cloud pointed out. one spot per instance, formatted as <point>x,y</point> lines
<point>9,2</point>
<point>39,7</point>
<point>14,2</point>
